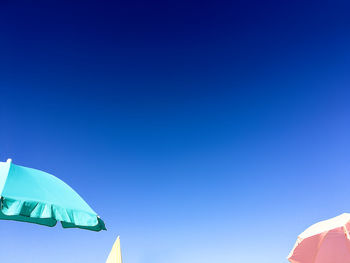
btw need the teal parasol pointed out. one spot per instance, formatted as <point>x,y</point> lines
<point>33,196</point>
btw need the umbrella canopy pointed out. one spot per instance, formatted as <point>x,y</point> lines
<point>115,256</point>
<point>33,196</point>
<point>324,242</point>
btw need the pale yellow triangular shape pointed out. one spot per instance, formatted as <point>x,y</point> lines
<point>115,256</point>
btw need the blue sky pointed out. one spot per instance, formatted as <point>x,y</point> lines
<point>200,131</point>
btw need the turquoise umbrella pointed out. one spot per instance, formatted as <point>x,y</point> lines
<point>33,196</point>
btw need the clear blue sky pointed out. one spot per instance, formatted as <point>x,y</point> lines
<point>200,131</point>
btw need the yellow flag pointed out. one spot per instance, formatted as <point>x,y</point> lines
<point>115,256</point>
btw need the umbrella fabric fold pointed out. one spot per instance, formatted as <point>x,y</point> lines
<point>34,196</point>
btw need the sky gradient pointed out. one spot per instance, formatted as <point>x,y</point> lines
<point>200,131</point>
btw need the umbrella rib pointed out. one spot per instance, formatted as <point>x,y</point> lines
<point>319,245</point>
<point>347,234</point>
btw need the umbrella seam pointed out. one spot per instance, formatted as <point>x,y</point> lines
<point>319,245</point>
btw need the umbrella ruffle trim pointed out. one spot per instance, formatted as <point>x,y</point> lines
<point>48,214</point>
